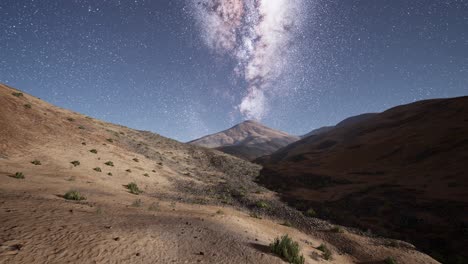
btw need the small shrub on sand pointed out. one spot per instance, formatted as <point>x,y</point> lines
<point>288,249</point>
<point>70,119</point>
<point>27,106</point>
<point>287,223</point>
<point>261,204</point>
<point>154,207</point>
<point>18,175</point>
<point>337,229</point>
<point>17,94</point>
<point>390,260</point>
<point>137,203</point>
<point>110,163</point>
<point>146,175</point>
<point>255,215</point>
<point>36,162</point>
<point>310,213</point>
<point>128,170</point>
<point>136,160</point>
<point>74,195</point>
<point>75,163</point>
<point>133,188</point>
<point>109,173</point>
<point>327,255</point>
<point>81,127</point>
<point>93,151</point>
<point>97,169</point>
<point>110,140</point>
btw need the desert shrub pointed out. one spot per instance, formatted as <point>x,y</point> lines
<point>133,188</point>
<point>337,229</point>
<point>327,255</point>
<point>36,162</point>
<point>110,163</point>
<point>128,170</point>
<point>93,151</point>
<point>70,119</point>
<point>18,175</point>
<point>110,140</point>
<point>288,249</point>
<point>136,160</point>
<point>80,127</point>
<point>287,223</point>
<point>75,163</point>
<point>310,213</point>
<point>261,204</point>
<point>146,175</point>
<point>137,203</point>
<point>97,169</point>
<point>153,170</point>
<point>28,106</point>
<point>390,260</point>
<point>74,195</point>
<point>255,215</point>
<point>17,94</point>
<point>109,174</point>
<point>83,143</point>
<point>220,212</point>
<point>154,207</point>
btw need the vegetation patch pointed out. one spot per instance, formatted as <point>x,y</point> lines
<point>97,169</point>
<point>36,162</point>
<point>71,119</point>
<point>337,229</point>
<point>154,207</point>
<point>133,188</point>
<point>110,163</point>
<point>262,204</point>
<point>81,127</point>
<point>390,260</point>
<point>327,255</point>
<point>288,249</point>
<point>18,175</point>
<point>109,174</point>
<point>136,160</point>
<point>146,175</point>
<point>93,151</point>
<point>110,140</point>
<point>310,213</point>
<point>128,170</point>
<point>75,163</point>
<point>137,203</point>
<point>74,195</point>
<point>17,94</point>
<point>27,106</point>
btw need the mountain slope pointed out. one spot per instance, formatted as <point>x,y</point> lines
<point>401,173</point>
<point>348,121</point>
<point>247,140</point>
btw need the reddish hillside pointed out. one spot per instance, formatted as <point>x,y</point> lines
<point>402,173</point>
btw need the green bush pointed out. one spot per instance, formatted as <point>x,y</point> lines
<point>93,151</point>
<point>74,195</point>
<point>261,204</point>
<point>36,162</point>
<point>327,255</point>
<point>310,213</point>
<point>18,175</point>
<point>110,163</point>
<point>390,260</point>
<point>97,169</point>
<point>75,163</point>
<point>288,249</point>
<point>133,188</point>
<point>17,94</point>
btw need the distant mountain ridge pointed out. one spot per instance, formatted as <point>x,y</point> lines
<point>247,140</point>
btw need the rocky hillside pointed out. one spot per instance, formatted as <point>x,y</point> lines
<point>401,173</point>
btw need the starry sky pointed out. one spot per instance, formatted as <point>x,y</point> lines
<point>187,68</point>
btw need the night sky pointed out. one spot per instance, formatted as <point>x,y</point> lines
<point>186,68</point>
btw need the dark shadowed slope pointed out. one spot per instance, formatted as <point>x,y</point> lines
<point>247,140</point>
<point>402,173</point>
<point>346,122</point>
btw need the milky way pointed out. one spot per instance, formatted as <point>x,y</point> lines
<point>257,34</point>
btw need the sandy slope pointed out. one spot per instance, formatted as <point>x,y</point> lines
<point>183,214</point>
